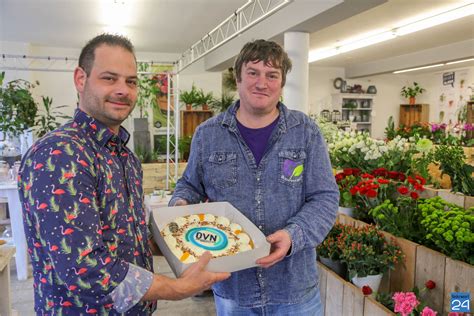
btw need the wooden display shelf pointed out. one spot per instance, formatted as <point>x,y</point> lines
<point>191,119</point>
<point>411,114</point>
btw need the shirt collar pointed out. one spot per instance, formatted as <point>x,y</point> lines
<point>99,131</point>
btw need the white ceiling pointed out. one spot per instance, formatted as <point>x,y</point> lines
<point>172,26</point>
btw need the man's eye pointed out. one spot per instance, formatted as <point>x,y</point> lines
<point>133,83</point>
<point>108,78</point>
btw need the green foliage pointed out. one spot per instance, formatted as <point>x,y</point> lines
<point>184,146</point>
<point>330,247</point>
<point>203,98</point>
<point>17,106</point>
<point>147,90</point>
<point>190,97</point>
<point>143,154</point>
<point>399,217</point>
<point>448,228</point>
<point>390,131</point>
<point>46,121</point>
<point>223,103</point>
<point>451,160</point>
<point>228,80</point>
<point>412,91</point>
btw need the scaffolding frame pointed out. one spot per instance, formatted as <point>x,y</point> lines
<point>251,13</point>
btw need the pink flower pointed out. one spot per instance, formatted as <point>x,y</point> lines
<point>404,302</point>
<point>428,312</point>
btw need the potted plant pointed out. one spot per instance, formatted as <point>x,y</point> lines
<point>410,92</point>
<point>184,146</point>
<point>330,250</point>
<point>190,98</point>
<point>368,256</point>
<point>204,99</point>
<point>18,108</point>
<point>346,180</point>
<point>223,103</point>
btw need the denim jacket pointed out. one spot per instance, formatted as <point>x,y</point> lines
<point>292,188</point>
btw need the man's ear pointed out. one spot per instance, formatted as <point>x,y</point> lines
<point>80,77</point>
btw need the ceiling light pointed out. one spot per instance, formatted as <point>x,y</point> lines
<point>417,68</point>
<point>436,20</point>
<point>424,23</point>
<point>459,61</point>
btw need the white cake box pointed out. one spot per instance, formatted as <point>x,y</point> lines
<point>160,217</point>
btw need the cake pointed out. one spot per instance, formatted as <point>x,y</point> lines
<point>188,237</point>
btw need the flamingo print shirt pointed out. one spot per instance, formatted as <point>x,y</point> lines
<point>80,187</point>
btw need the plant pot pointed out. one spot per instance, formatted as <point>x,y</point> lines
<point>412,100</point>
<point>336,266</point>
<point>349,211</point>
<point>205,107</point>
<point>189,107</point>
<point>371,280</point>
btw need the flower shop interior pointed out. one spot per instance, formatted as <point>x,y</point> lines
<point>390,84</point>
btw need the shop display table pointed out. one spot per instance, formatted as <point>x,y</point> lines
<point>6,254</point>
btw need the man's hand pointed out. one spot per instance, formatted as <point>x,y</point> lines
<point>280,244</point>
<point>193,281</point>
<point>180,202</point>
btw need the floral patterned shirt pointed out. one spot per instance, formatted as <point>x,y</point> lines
<point>80,187</point>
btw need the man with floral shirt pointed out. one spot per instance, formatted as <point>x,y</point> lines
<point>80,187</point>
<point>272,164</point>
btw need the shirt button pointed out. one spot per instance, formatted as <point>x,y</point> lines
<point>260,226</point>
<point>258,202</point>
<point>258,179</point>
<point>259,275</point>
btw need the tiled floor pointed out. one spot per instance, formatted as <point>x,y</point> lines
<point>22,296</point>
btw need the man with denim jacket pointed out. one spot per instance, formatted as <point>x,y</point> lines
<point>272,164</point>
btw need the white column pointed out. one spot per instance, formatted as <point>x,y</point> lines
<point>295,92</point>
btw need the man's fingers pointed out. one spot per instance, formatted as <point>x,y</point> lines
<point>278,254</point>
<point>221,276</point>
<point>204,260</point>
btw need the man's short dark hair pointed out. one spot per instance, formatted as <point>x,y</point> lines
<point>86,59</point>
<point>269,52</point>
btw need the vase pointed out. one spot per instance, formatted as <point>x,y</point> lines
<point>335,265</point>
<point>371,280</point>
<point>349,211</point>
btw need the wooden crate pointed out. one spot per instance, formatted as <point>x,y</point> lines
<point>457,198</point>
<point>430,265</point>
<point>403,277</point>
<point>322,272</point>
<point>459,277</point>
<point>411,114</point>
<point>334,293</point>
<point>374,308</point>
<point>352,301</point>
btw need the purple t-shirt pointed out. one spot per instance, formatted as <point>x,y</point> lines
<point>257,138</point>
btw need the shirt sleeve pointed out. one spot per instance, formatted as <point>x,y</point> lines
<point>62,195</point>
<point>321,197</point>
<point>132,289</point>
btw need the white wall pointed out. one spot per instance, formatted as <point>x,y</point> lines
<point>388,99</point>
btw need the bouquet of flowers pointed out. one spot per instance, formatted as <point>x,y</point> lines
<point>162,84</point>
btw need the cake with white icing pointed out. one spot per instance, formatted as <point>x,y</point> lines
<point>188,237</point>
